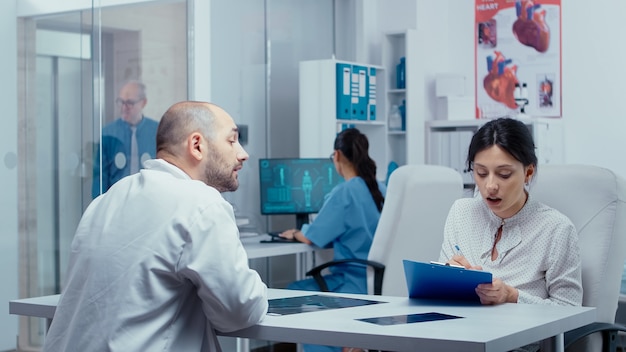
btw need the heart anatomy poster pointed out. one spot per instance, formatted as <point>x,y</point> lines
<point>518,58</point>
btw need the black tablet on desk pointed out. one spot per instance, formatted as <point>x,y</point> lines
<point>409,318</point>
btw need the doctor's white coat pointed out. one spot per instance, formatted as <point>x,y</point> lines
<point>156,265</point>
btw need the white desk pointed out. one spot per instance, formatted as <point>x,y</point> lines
<point>39,307</point>
<point>45,306</point>
<point>482,328</point>
<point>255,249</point>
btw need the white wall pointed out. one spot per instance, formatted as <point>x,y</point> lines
<point>593,73</point>
<point>432,21</point>
<point>592,49</point>
<point>8,173</point>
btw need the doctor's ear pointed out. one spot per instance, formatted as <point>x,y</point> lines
<point>195,146</point>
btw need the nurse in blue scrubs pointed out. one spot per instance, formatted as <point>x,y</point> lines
<point>349,217</point>
<point>347,221</point>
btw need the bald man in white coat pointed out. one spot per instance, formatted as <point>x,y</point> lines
<point>156,263</point>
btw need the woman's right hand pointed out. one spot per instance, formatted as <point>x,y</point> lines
<point>458,259</point>
<point>289,234</point>
<point>295,235</point>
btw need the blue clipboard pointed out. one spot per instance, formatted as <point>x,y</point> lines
<point>437,281</point>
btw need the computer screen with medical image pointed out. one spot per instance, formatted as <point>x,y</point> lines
<point>296,186</point>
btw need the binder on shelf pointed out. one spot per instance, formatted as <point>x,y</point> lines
<point>454,149</point>
<point>439,148</point>
<point>371,94</point>
<point>359,96</point>
<point>400,74</point>
<point>465,138</point>
<point>344,95</point>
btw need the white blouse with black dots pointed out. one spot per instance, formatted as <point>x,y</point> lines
<point>538,253</point>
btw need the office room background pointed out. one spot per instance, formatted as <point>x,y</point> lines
<point>242,55</point>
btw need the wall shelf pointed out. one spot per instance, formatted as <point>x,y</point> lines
<point>362,122</point>
<point>318,106</point>
<point>405,147</point>
<point>318,120</point>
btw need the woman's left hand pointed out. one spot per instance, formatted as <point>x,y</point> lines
<point>496,292</point>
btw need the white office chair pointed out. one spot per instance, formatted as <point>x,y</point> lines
<point>594,199</point>
<point>410,227</point>
<point>412,221</point>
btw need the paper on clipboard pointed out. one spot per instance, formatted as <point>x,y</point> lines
<point>431,280</point>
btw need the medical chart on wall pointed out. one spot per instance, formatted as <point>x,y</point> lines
<point>518,57</point>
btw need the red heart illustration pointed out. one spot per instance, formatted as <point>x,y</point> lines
<point>501,80</point>
<point>530,28</point>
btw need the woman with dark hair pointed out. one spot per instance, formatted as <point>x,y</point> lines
<point>531,249</point>
<point>349,216</point>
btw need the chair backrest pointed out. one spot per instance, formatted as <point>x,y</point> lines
<point>594,199</point>
<point>411,224</point>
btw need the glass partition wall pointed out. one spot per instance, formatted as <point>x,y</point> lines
<point>72,66</point>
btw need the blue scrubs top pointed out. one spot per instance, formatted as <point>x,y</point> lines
<point>347,223</point>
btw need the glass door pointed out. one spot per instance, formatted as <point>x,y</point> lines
<point>72,67</point>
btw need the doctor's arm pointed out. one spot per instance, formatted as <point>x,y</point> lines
<point>233,295</point>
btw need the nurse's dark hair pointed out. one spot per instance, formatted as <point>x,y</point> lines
<point>354,146</point>
<point>182,119</point>
<point>511,135</point>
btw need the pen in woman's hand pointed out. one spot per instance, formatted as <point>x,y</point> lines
<point>460,258</point>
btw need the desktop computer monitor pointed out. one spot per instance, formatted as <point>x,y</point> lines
<point>296,186</point>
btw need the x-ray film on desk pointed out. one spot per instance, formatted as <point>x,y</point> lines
<point>311,303</point>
